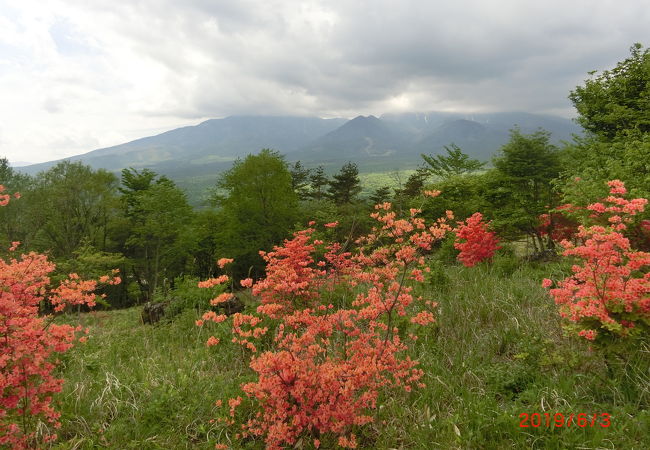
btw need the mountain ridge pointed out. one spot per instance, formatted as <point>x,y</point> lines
<point>391,140</point>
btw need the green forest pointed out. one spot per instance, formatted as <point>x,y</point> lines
<point>498,351</point>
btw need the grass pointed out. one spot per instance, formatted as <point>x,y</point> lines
<point>137,386</point>
<point>497,351</point>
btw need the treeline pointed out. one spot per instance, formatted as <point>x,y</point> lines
<point>89,221</point>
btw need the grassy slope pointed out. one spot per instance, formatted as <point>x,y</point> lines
<point>498,351</point>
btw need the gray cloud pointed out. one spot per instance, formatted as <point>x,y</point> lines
<point>327,57</point>
<point>113,68</point>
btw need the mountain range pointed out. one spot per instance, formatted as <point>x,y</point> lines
<point>388,142</point>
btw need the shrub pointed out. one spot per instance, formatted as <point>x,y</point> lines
<point>479,244</point>
<point>607,297</point>
<point>28,343</point>
<point>328,364</point>
<point>187,295</point>
<point>505,261</point>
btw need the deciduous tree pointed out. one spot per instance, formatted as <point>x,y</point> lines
<point>259,206</point>
<point>617,101</point>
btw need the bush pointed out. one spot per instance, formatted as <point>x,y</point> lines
<point>606,299</point>
<point>447,254</point>
<point>187,295</point>
<point>329,361</point>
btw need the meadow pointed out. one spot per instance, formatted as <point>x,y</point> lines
<point>497,351</point>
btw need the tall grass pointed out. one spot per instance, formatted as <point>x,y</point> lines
<point>498,350</point>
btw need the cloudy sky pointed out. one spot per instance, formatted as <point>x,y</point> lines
<point>76,75</point>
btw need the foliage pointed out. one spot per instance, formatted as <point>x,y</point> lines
<point>205,233</point>
<point>520,188</point>
<point>90,263</point>
<point>344,187</point>
<point>329,358</point>
<point>558,224</point>
<point>300,180</point>
<point>455,163</point>
<point>464,195</point>
<point>259,208</point>
<point>71,203</point>
<point>606,297</point>
<point>617,101</point>
<point>157,215</point>
<point>505,261</point>
<point>479,243</point>
<point>594,162</point>
<point>318,182</point>
<point>28,342</point>
<point>15,217</point>
<point>186,295</point>
<point>380,195</point>
<point>414,184</point>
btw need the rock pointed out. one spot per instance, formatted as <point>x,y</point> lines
<point>232,306</point>
<point>153,312</point>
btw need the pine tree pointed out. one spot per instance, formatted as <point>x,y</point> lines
<point>345,185</point>
<point>318,181</point>
<point>380,195</point>
<point>455,163</point>
<point>300,179</point>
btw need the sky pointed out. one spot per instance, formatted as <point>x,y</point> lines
<point>77,75</point>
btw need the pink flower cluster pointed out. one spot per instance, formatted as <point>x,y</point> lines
<point>326,364</point>
<point>28,343</point>
<point>609,291</point>
<point>479,243</point>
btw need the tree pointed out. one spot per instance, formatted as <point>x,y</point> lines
<point>462,194</point>
<point>71,203</point>
<point>345,186</point>
<point>520,187</point>
<point>15,221</point>
<point>380,195</point>
<point>455,163</point>
<point>615,108</point>
<point>259,207</point>
<point>318,181</point>
<point>134,181</point>
<point>414,184</point>
<point>300,180</point>
<point>157,215</point>
<point>617,100</point>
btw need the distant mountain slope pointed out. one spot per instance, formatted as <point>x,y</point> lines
<point>398,140</point>
<point>474,138</point>
<point>210,142</point>
<point>359,138</point>
<point>393,141</point>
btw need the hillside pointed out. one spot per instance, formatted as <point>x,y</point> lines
<point>486,363</point>
<point>391,141</point>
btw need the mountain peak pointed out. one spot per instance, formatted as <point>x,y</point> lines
<point>394,140</point>
<point>369,118</point>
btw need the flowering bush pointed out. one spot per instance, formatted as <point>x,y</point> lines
<point>558,224</point>
<point>327,364</point>
<point>608,295</point>
<point>29,341</point>
<point>479,244</point>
